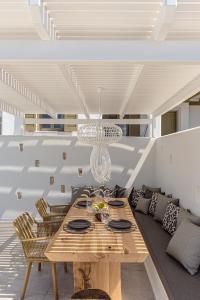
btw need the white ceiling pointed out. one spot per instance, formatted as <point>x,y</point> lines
<point>128,87</point>
<point>156,84</point>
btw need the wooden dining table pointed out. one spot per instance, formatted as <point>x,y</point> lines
<point>97,255</point>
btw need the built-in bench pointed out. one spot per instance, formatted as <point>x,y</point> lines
<point>177,282</point>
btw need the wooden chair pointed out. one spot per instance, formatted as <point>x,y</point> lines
<point>34,244</point>
<point>51,212</point>
<point>93,294</point>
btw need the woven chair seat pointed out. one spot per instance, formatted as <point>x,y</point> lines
<point>91,294</point>
<point>36,249</point>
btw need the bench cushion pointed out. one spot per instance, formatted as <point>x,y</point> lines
<point>178,283</point>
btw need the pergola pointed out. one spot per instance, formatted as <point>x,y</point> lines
<point>145,54</point>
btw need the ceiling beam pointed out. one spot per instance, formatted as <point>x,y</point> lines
<point>85,121</point>
<point>190,89</point>
<point>131,88</point>
<point>42,21</point>
<point>75,87</point>
<point>11,109</point>
<point>102,50</point>
<point>165,20</point>
<point>8,80</point>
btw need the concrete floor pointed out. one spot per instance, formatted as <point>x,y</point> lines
<point>135,283</point>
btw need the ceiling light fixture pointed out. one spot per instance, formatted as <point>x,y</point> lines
<point>100,135</point>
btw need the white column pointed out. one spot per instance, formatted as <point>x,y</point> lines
<point>156,127</point>
<point>8,124</point>
<point>19,126</point>
<point>183,117</point>
<point>145,129</point>
<point>11,125</point>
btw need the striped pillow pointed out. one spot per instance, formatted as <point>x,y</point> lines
<point>80,192</point>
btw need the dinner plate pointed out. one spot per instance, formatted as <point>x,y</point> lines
<point>84,203</point>
<point>120,224</point>
<point>116,203</point>
<point>79,224</point>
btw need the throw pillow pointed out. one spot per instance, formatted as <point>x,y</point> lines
<point>101,191</point>
<point>184,246</point>
<point>169,195</point>
<point>143,205</point>
<point>109,192</point>
<point>148,194</point>
<point>120,192</point>
<point>80,192</point>
<point>170,218</point>
<point>161,205</point>
<point>152,206</point>
<point>187,215</point>
<point>134,198</point>
<point>153,190</point>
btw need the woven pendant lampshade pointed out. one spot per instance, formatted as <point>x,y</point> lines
<point>100,135</point>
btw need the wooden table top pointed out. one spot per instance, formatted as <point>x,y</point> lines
<point>98,244</point>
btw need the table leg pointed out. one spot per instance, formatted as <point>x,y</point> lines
<point>104,276</point>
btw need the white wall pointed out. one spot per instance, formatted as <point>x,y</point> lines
<point>144,172</point>
<point>172,163</point>
<point>18,171</point>
<point>177,165</point>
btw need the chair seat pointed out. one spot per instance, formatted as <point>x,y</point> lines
<point>91,294</point>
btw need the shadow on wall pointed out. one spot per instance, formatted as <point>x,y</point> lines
<point>23,181</point>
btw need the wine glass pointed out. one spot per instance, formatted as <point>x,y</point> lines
<point>107,196</point>
<point>89,205</point>
<point>105,216</point>
<point>98,194</point>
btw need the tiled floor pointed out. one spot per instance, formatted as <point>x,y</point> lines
<point>135,283</point>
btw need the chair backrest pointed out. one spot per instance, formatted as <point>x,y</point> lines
<point>42,207</point>
<point>23,226</point>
